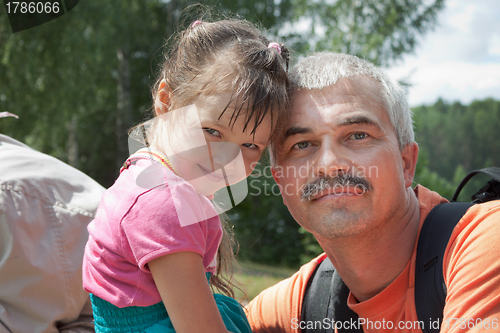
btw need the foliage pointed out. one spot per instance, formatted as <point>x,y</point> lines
<point>377,30</point>
<point>253,278</point>
<point>455,139</point>
<point>63,78</point>
<point>266,231</point>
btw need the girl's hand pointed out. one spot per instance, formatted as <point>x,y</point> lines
<point>181,281</point>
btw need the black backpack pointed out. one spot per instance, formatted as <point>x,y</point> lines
<point>325,300</point>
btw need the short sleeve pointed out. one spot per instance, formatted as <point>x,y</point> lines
<point>151,228</point>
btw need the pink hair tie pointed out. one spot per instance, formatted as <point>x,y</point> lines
<point>195,23</point>
<point>274,45</point>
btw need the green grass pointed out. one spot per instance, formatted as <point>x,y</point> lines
<point>252,278</point>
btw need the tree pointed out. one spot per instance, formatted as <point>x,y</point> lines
<point>79,82</point>
<point>377,30</point>
<point>455,139</point>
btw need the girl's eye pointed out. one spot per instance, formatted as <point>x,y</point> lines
<point>301,145</point>
<point>358,135</point>
<point>250,145</point>
<point>212,132</point>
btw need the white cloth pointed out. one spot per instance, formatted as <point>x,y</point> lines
<point>45,206</point>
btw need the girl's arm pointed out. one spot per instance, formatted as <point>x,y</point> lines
<point>180,279</point>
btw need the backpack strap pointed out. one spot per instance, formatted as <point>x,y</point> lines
<point>326,298</point>
<point>490,191</point>
<point>430,289</point>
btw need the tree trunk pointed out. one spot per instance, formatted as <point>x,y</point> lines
<point>124,105</point>
<point>72,144</point>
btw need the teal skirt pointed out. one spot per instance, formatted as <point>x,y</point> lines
<point>109,318</point>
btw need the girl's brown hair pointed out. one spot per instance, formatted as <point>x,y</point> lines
<point>227,55</point>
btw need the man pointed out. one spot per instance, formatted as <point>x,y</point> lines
<point>45,206</point>
<point>345,164</point>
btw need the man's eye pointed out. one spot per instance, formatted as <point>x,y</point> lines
<point>212,132</point>
<point>301,145</point>
<point>358,135</point>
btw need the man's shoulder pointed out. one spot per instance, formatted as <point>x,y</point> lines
<point>486,208</point>
<point>427,199</point>
<point>471,265</point>
<point>7,140</point>
<point>483,217</point>
<point>276,308</point>
<point>44,177</point>
<point>474,239</point>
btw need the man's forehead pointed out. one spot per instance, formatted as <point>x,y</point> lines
<point>345,90</point>
<point>358,94</point>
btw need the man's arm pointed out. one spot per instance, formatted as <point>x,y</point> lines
<point>472,272</point>
<point>278,308</point>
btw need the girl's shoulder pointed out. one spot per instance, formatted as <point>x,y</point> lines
<point>144,178</point>
<point>149,186</point>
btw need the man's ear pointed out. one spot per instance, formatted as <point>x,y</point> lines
<point>162,101</point>
<point>410,157</point>
<point>277,179</point>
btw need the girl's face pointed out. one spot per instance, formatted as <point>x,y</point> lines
<point>207,151</point>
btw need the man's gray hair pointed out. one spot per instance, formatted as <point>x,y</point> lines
<point>324,69</point>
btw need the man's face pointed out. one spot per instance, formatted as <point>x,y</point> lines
<point>341,138</point>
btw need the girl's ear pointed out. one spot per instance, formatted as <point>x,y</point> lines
<point>162,101</point>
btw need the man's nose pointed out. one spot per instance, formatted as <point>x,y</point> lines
<point>329,160</point>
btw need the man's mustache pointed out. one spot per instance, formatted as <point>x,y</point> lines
<point>338,181</point>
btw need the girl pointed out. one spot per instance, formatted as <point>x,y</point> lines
<point>156,237</point>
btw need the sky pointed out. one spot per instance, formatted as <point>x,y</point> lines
<point>460,59</point>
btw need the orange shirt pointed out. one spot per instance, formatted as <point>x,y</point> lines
<point>471,272</point>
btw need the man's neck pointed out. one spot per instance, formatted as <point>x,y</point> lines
<point>368,263</point>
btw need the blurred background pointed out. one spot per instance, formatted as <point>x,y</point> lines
<point>79,82</point>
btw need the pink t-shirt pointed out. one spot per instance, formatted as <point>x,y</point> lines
<point>140,219</point>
